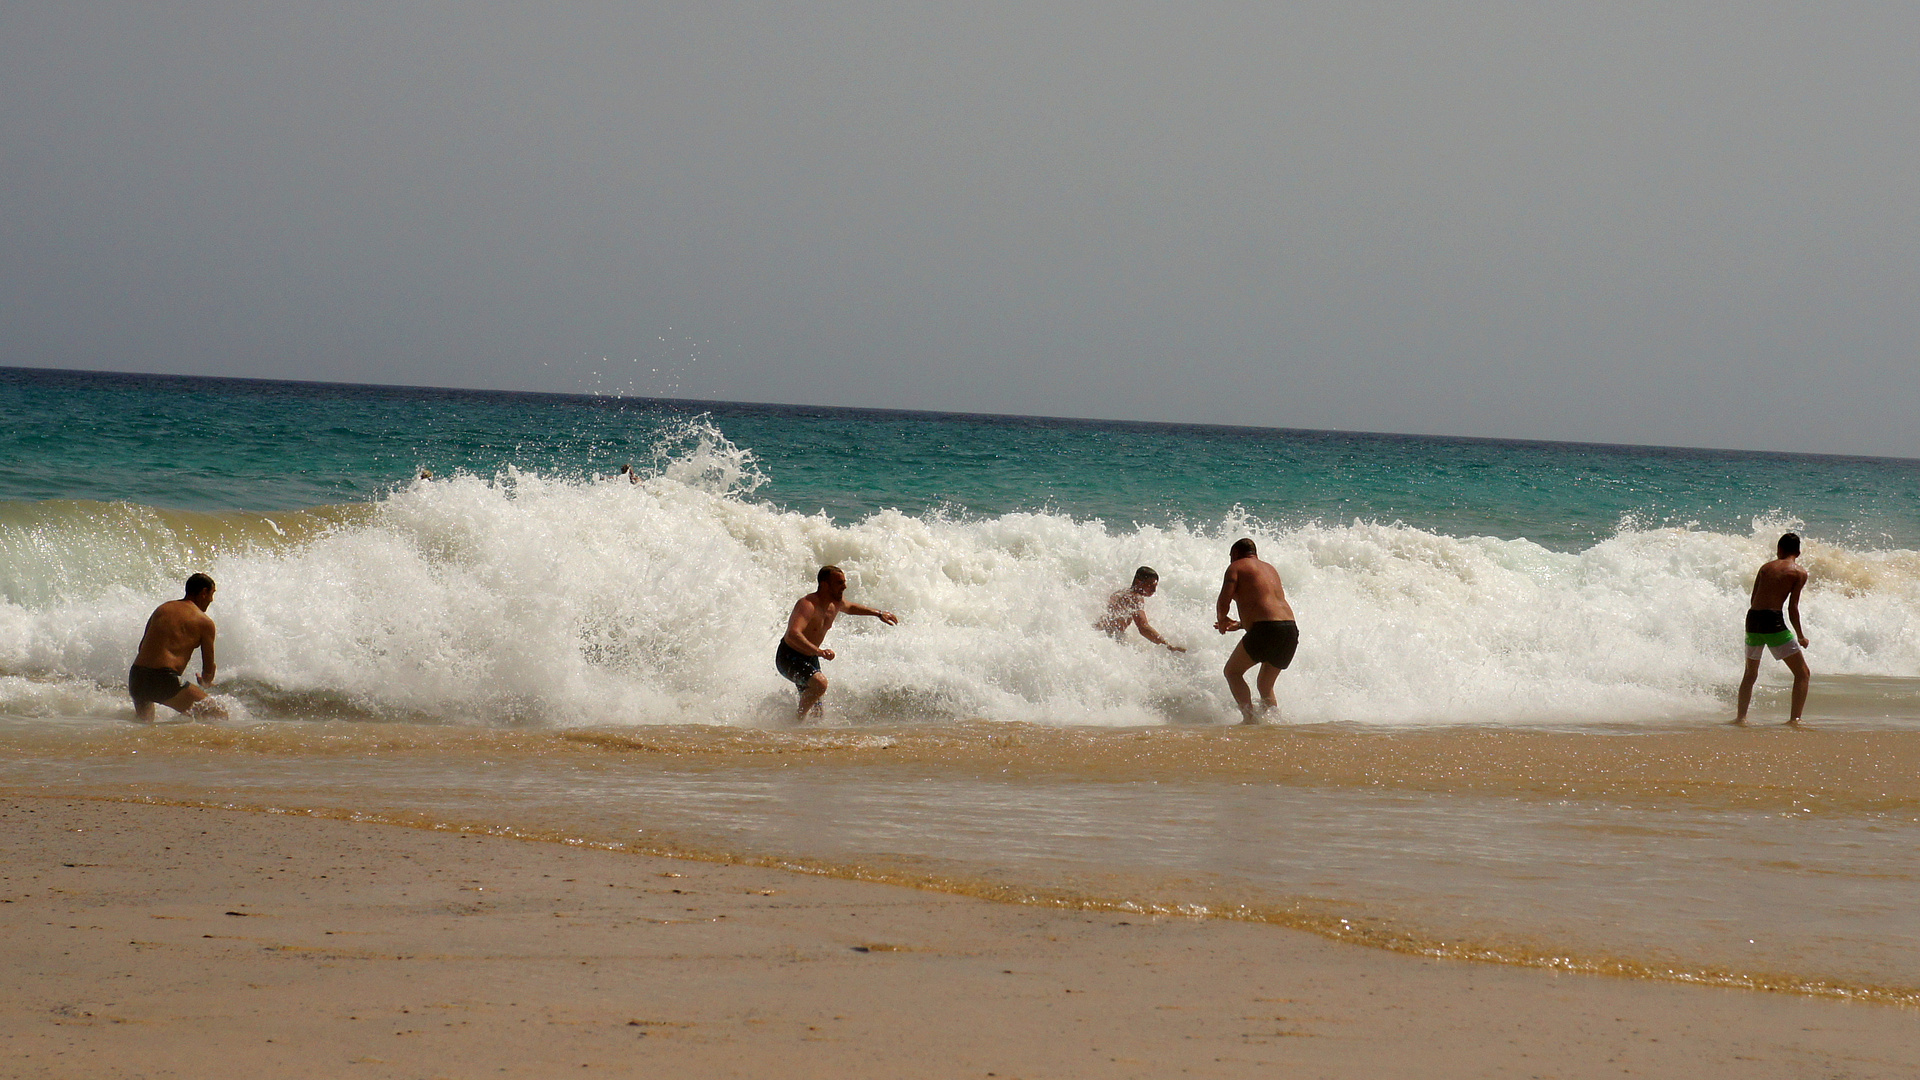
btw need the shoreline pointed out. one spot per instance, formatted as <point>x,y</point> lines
<point>160,940</point>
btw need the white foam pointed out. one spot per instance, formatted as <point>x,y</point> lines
<point>526,598</point>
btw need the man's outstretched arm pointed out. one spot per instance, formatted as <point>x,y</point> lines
<point>862,609</point>
<point>1147,631</point>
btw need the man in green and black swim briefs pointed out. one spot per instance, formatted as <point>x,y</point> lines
<point>1778,582</point>
<point>1272,635</point>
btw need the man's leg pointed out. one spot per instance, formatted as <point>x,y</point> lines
<point>143,710</point>
<point>1797,663</point>
<point>1746,690</point>
<point>1236,673</point>
<point>1268,674</point>
<point>811,693</point>
<point>193,700</point>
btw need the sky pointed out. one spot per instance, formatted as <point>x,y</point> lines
<point>1664,223</point>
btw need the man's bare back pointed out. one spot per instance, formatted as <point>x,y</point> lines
<point>1254,587</point>
<point>174,630</point>
<point>1776,582</point>
<point>1779,582</point>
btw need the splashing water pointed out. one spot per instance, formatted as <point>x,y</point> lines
<point>536,598</point>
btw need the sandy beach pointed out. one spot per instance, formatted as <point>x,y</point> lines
<point>158,941</point>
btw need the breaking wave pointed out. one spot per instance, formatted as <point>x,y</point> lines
<point>532,598</point>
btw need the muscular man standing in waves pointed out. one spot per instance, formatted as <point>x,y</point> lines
<point>174,630</point>
<point>1778,582</point>
<point>800,652</point>
<point>1265,615</point>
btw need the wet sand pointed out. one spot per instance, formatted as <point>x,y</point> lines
<point>162,941</point>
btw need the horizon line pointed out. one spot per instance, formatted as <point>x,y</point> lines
<point>672,401</point>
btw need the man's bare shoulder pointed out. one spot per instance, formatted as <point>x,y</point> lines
<point>1255,568</point>
<point>181,613</point>
<point>1784,570</point>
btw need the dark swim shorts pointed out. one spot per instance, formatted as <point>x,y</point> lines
<point>1767,627</point>
<point>1272,642</point>
<point>795,666</point>
<point>156,684</point>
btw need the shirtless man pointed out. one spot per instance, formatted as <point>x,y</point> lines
<point>1128,607</point>
<point>1265,615</point>
<point>1778,582</point>
<point>175,629</point>
<point>799,655</point>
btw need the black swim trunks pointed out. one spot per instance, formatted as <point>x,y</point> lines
<point>1272,642</point>
<point>156,684</point>
<point>1765,621</point>
<point>795,666</point>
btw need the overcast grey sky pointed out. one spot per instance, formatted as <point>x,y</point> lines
<point>1674,223</point>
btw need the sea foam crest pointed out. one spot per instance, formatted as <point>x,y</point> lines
<point>531,598</point>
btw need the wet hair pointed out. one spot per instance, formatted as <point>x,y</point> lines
<point>827,572</point>
<point>1146,573</point>
<point>1789,545</point>
<point>1242,548</point>
<point>198,583</point>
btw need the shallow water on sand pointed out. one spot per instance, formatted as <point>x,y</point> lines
<point>1759,857</point>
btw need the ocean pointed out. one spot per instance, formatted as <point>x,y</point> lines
<point>1504,739</point>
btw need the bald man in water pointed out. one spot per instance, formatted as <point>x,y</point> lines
<point>1272,635</point>
<point>174,630</point>
<point>798,656</point>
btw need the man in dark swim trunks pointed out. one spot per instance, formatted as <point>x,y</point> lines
<point>174,630</point>
<point>799,655</point>
<point>1265,615</point>
<point>1778,582</point>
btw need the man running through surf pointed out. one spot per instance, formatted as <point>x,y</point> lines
<point>800,652</point>
<point>1265,615</point>
<point>1778,582</point>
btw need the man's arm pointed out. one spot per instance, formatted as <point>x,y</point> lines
<point>1220,607</point>
<point>796,636</point>
<point>1147,631</point>
<point>1793,609</point>
<point>206,653</point>
<point>862,609</point>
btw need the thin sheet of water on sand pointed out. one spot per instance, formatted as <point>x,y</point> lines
<point>1649,882</point>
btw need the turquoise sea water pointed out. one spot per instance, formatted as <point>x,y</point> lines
<point>226,444</point>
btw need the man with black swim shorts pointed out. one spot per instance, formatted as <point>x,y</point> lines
<point>800,652</point>
<point>1272,636</point>
<point>174,630</point>
<point>1778,582</point>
